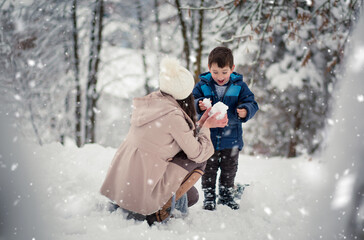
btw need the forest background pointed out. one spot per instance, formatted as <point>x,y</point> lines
<point>70,69</point>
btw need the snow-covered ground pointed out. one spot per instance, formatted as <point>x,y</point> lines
<point>276,205</point>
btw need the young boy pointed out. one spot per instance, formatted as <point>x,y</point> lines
<point>221,83</point>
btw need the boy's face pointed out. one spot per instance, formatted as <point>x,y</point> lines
<point>220,75</point>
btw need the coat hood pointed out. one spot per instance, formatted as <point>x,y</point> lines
<point>152,107</point>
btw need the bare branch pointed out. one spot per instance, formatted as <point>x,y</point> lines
<point>246,24</point>
<point>207,8</point>
<point>2,4</point>
<point>265,30</point>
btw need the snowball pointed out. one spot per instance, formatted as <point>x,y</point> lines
<point>219,107</point>
<point>207,102</point>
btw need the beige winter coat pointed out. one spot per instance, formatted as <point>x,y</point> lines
<point>140,178</point>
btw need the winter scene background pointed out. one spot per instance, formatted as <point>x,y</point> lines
<point>70,69</point>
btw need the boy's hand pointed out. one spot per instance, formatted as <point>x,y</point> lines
<point>242,112</point>
<point>201,105</point>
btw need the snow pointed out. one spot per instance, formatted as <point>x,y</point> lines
<point>282,76</point>
<point>274,206</point>
<point>357,61</point>
<point>51,192</point>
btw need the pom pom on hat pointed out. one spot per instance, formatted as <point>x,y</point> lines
<point>175,79</point>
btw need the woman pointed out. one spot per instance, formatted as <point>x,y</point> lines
<point>147,175</point>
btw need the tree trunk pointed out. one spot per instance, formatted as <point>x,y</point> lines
<point>186,46</point>
<point>200,45</point>
<point>94,60</point>
<point>142,45</point>
<point>159,34</point>
<point>76,64</point>
<point>34,125</point>
<point>294,139</point>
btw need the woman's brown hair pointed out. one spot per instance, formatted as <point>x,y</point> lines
<point>188,106</point>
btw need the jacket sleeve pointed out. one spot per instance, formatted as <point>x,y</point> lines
<point>198,95</point>
<point>197,149</point>
<point>247,101</point>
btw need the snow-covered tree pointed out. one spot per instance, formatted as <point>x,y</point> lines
<point>289,52</point>
<point>34,67</point>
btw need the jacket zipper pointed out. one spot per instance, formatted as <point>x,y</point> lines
<point>219,131</point>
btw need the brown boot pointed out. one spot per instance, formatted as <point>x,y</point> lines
<point>187,183</point>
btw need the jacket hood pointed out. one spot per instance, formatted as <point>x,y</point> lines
<point>152,107</point>
<point>234,76</point>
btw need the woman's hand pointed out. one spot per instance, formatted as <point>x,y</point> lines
<point>212,122</point>
<point>204,117</point>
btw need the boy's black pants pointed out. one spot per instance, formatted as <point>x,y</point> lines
<point>227,161</point>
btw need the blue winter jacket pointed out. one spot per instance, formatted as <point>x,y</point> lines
<point>237,95</point>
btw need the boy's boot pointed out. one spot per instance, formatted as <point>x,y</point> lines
<point>209,202</point>
<point>209,182</point>
<point>226,198</point>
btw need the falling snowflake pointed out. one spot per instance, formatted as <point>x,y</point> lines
<point>222,226</point>
<point>330,122</point>
<point>16,202</point>
<point>150,181</point>
<point>343,191</point>
<point>32,84</point>
<point>196,237</point>
<point>103,227</point>
<point>31,63</point>
<point>17,97</point>
<point>97,111</point>
<point>14,166</point>
<point>267,210</point>
<point>360,98</point>
<point>303,211</point>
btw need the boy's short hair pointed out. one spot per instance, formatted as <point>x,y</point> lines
<point>222,56</point>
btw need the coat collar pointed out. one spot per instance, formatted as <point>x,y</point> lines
<point>234,77</point>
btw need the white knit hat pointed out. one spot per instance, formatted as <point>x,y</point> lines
<point>175,79</point>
